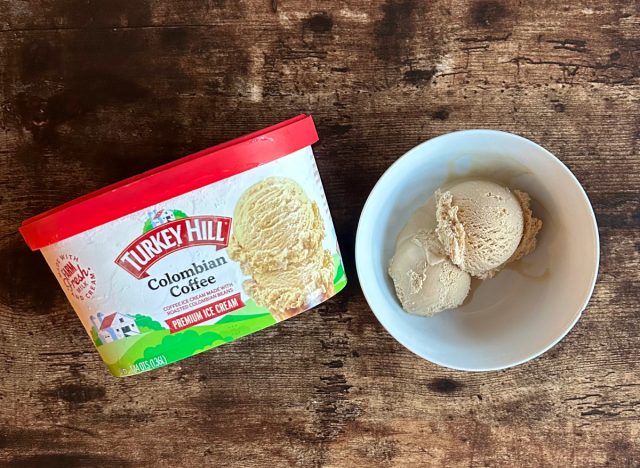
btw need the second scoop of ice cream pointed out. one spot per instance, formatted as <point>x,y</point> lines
<point>480,225</point>
<point>426,282</point>
<point>286,292</point>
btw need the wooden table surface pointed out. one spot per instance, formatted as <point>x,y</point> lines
<point>93,91</point>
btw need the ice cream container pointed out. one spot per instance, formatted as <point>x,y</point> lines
<point>198,252</point>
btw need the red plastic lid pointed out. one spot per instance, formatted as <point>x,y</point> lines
<point>169,180</point>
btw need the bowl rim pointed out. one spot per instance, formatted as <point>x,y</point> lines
<point>594,224</point>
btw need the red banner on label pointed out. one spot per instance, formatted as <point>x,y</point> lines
<point>165,239</point>
<point>202,314</point>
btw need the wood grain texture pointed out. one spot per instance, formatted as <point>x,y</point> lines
<point>93,91</point>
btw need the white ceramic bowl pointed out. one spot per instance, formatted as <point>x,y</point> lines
<point>526,308</point>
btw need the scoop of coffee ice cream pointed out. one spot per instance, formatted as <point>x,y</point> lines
<point>426,282</point>
<point>274,224</point>
<point>277,239</point>
<point>480,225</point>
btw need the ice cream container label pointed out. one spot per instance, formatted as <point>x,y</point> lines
<point>201,268</point>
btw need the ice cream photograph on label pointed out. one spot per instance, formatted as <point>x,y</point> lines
<point>278,242</point>
<point>198,262</point>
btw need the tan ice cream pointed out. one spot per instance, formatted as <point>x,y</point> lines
<point>480,225</point>
<point>286,292</point>
<point>277,239</point>
<point>274,224</point>
<point>426,282</point>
